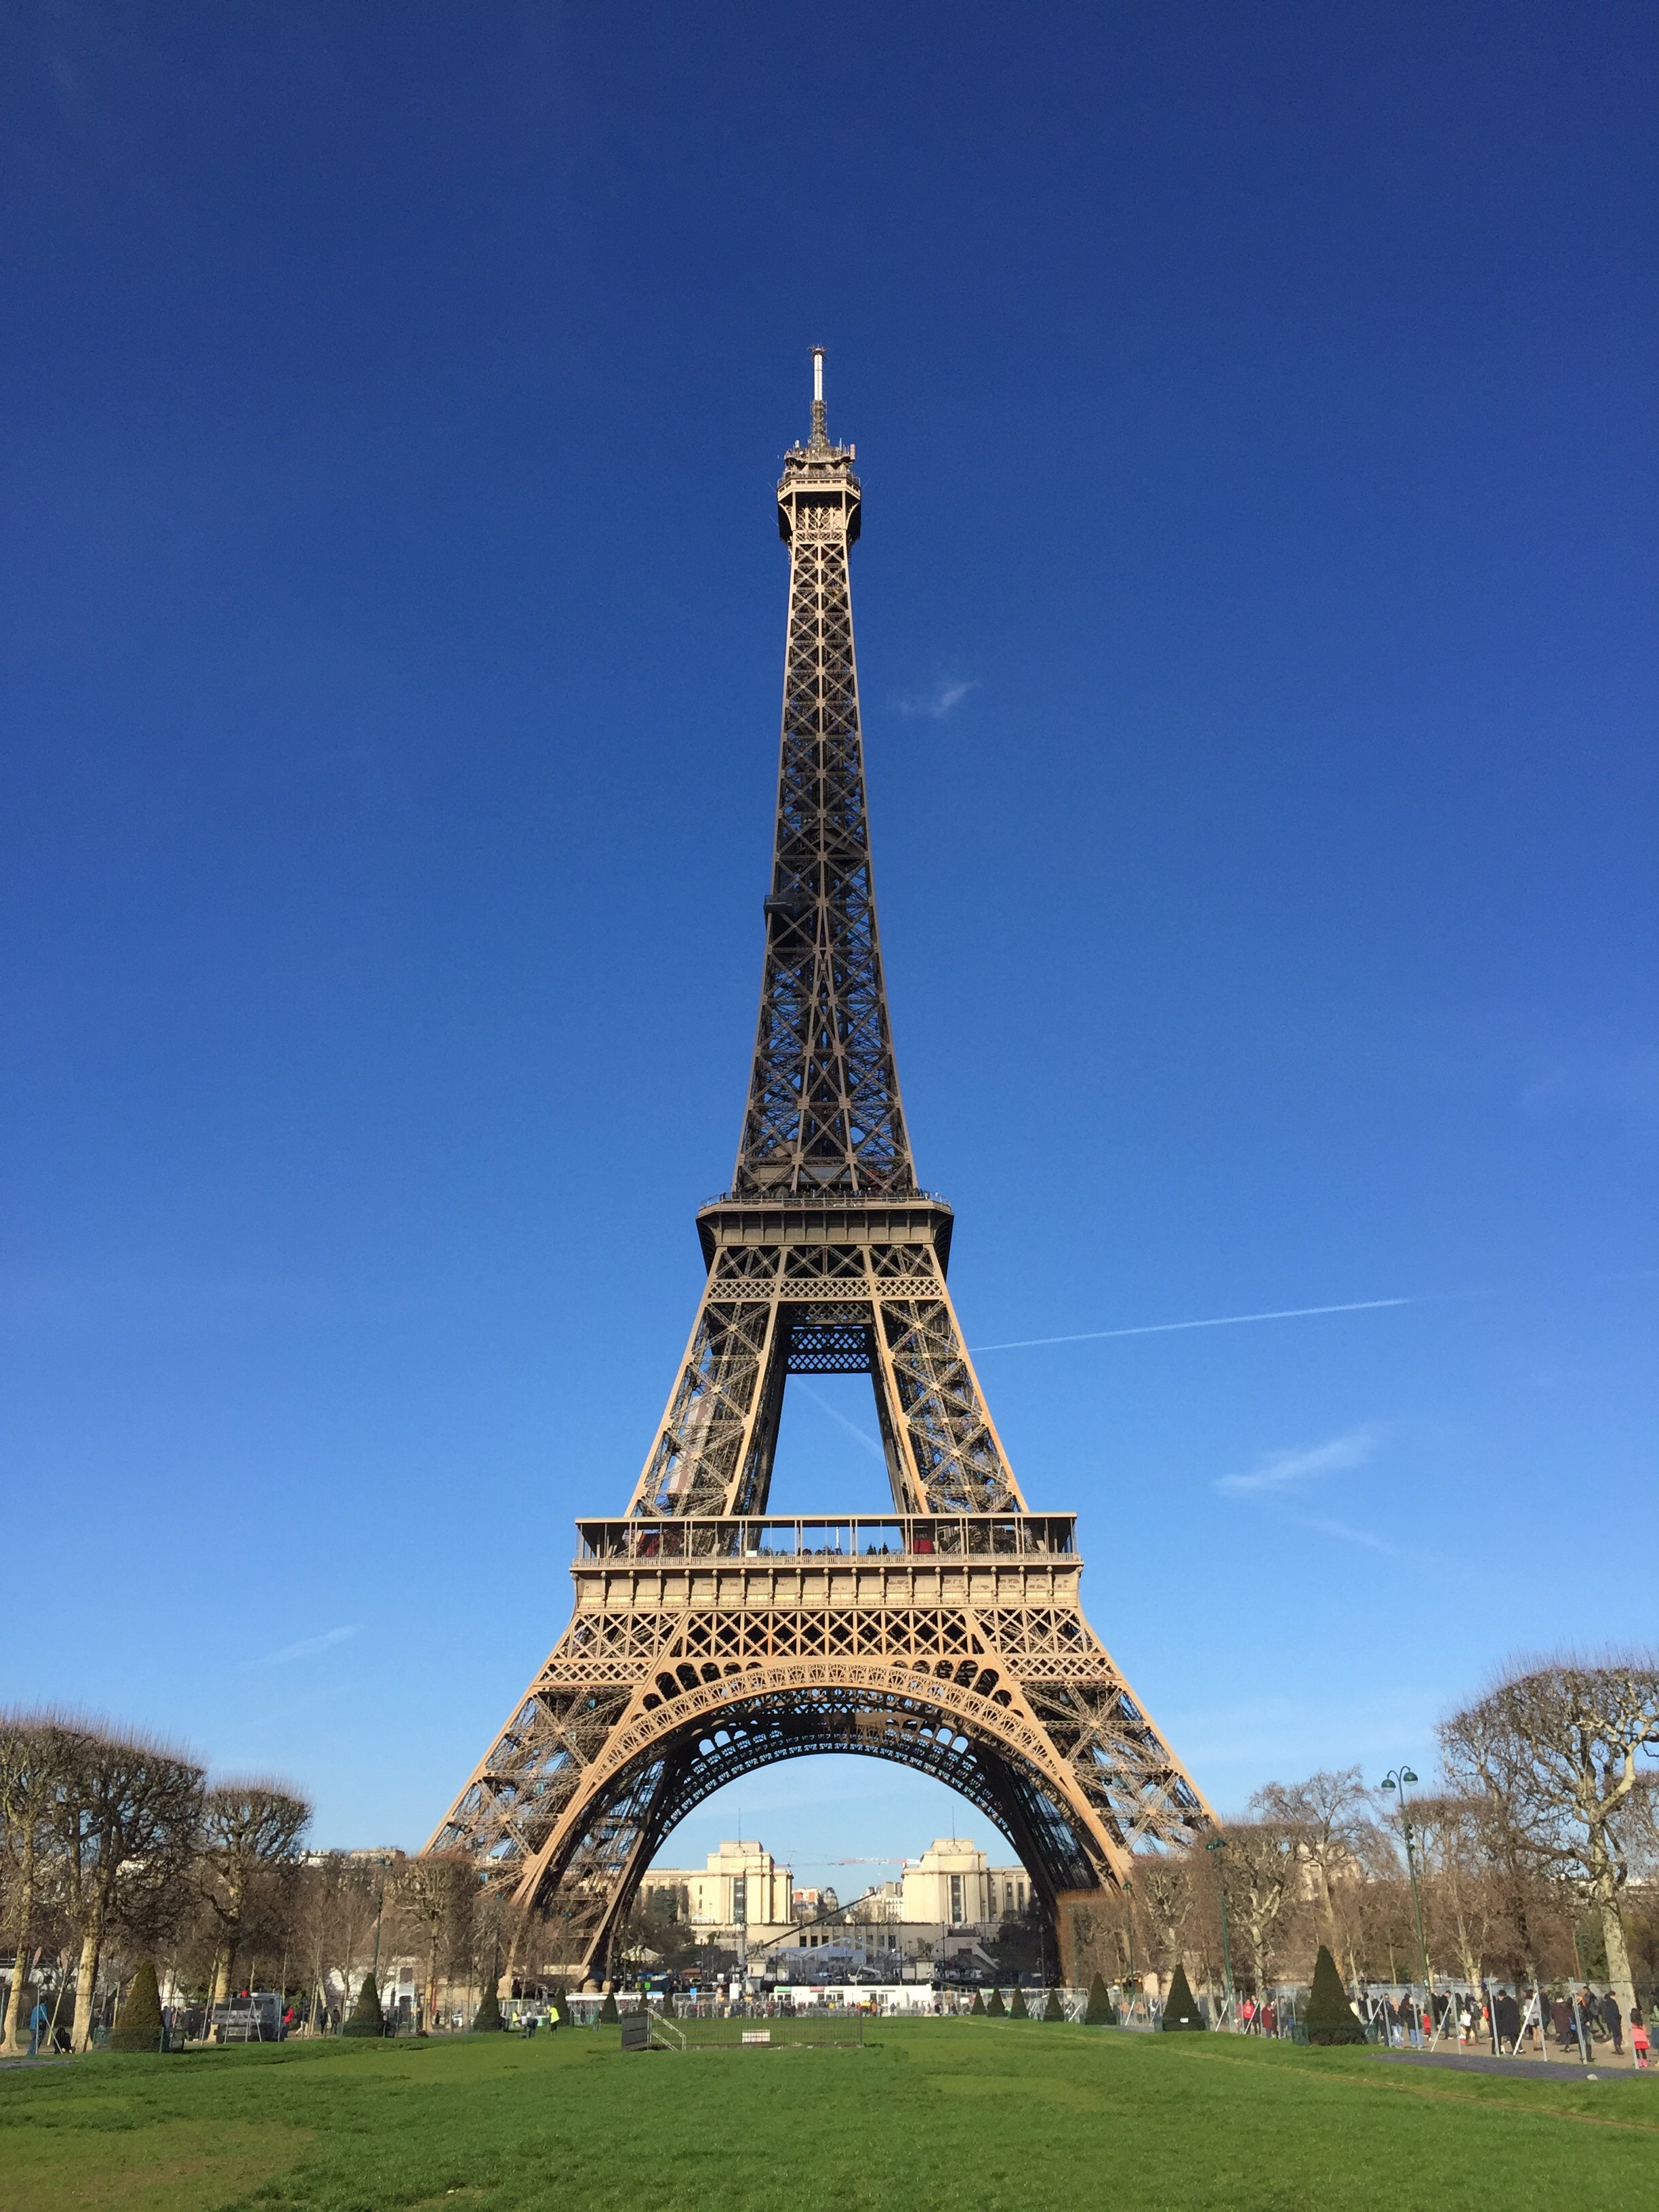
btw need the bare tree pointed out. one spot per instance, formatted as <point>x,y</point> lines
<point>1260,1871</point>
<point>437,1891</point>
<point>1336,1837</point>
<point>36,1752</point>
<point>251,1831</point>
<point>1103,1937</point>
<point>1163,1889</point>
<point>1557,1747</point>
<point>125,1823</point>
<point>336,1911</point>
<point>1464,1900</point>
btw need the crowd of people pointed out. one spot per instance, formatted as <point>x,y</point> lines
<point>1506,2023</point>
<point>1576,2024</point>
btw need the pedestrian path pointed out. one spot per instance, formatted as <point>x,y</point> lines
<point>1531,2069</point>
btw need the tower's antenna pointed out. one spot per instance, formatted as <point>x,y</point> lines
<point>820,420</point>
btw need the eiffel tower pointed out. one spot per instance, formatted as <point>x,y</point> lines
<point>709,1638</point>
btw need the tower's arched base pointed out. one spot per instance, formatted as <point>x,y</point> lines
<point>964,1654</point>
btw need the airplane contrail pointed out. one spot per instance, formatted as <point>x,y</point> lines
<point>1218,1320</point>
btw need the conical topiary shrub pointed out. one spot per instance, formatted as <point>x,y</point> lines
<point>367,2018</point>
<point>1181,2006</point>
<point>1100,2011</point>
<point>1330,2017</point>
<point>488,2017</point>
<point>1056,2006</point>
<point>995,2006</point>
<point>608,2014</point>
<point>139,2024</point>
<point>978,2005</point>
<point>1019,2010</point>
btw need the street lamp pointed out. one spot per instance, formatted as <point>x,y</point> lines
<point>380,1907</point>
<point>1219,1843</point>
<point>1396,1778</point>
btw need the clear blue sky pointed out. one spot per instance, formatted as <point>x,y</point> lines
<point>1255,614</point>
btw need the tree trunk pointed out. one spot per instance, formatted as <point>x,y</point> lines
<point>15,2041</point>
<point>1619,1973</point>
<point>431,1976</point>
<point>1471,1964</point>
<point>86,1977</point>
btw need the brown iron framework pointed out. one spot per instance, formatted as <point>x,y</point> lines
<point>708,1638</point>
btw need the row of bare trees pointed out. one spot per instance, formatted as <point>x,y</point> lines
<point>1536,1861</point>
<point>115,1847</point>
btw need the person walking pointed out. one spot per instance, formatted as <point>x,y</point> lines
<point>1561,2021</point>
<point>1614,2021</point>
<point>1639,2038</point>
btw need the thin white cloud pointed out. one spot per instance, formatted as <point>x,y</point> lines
<point>307,1647</point>
<point>1169,1328</point>
<point>870,1444</point>
<point>937,704</point>
<point>1284,1470</point>
<point>1344,1533</point>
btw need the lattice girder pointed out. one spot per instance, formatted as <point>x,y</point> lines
<point>835,1268</point>
<point>823,1110</point>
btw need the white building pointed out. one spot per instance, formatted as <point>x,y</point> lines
<point>954,1885</point>
<point>741,1886</point>
<point>949,1897</point>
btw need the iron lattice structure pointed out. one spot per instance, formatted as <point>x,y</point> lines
<point>709,1638</point>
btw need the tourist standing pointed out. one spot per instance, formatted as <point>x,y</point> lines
<point>1614,2021</point>
<point>1638,2037</point>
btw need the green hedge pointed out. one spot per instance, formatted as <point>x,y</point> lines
<point>1100,2011</point>
<point>1181,2006</point>
<point>1329,2018</point>
<point>367,2018</point>
<point>139,2024</point>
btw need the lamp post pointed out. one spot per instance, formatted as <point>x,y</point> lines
<point>380,1907</point>
<point>1219,1843</point>
<point>1396,1778</point>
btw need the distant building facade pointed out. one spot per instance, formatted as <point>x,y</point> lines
<point>946,1904</point>
<point>741,1888</point>
<point>953,1885</point>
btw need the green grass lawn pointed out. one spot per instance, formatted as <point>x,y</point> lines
<point>930,2116</point>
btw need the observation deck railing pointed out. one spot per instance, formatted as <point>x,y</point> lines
<point>855,1539</point>
<point>815,1197</point>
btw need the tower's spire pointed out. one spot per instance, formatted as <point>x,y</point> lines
<point>820,414</point>
<point>824,1099</point>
